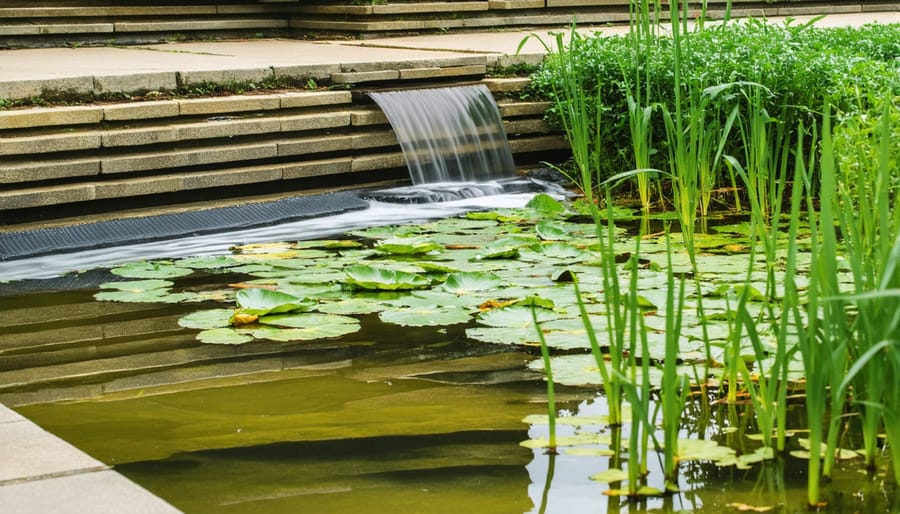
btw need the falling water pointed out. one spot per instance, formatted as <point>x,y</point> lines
<point>449,134</point>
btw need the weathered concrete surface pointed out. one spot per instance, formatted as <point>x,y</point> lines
<point>26,73</point>
<point>42,474</point>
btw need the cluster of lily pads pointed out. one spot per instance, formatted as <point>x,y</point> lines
<point>483,269</point>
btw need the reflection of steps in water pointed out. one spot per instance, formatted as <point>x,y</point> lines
<point>450,191</point>
<point>449,134</point>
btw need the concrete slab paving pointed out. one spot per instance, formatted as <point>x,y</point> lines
<point>42,474</point>
<point>25,72</point>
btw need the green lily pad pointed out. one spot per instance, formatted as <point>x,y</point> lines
<point>352,306</point>
<point>148,296</point>
<point>427,316</point>
<point>370,277</point>
<point>136,286</point>
<point>224,336</point>
<point>259,302</point>
<point>306,320</point>
<point>408,246</point>
<point>151,269</point>
<point>551,231</point>
<point>207,319</point>
<point>610,475</point>
<point>515,317</point>
<point>464,282</point>
<point>209,262</point>
<point>546,204</point>
<point>310,333</point>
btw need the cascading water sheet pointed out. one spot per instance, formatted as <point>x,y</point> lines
<point>449,134</point>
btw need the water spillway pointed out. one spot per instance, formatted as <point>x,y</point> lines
<point>452,134</point>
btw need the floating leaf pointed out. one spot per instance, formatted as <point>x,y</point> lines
<point>336,327</point>
<point>264,301</point>
<point>136,286</point>
<point>743,507</point>
<point>150,269</point>
<point>408,246</point>
<point>546,204</point>
<point>463,282</point>
<point>426,316</point>
<point>224,336</point>
<point>516,316</point>
<point>551,231</point>
<point>207,319</point>
<point>610,475</point>
<point>704,449</point>
<point>370,277</point>
<point>306,320</point>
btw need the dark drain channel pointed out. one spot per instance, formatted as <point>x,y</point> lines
<point>33,243</point>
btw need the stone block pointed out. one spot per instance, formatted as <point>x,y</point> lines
<point>451,71</point>
<point>307,71</point>
<point>99,492</point>
<point>314,99</point>
<point>361,118</point>
<point>139,186</point>
<point>818,9</point>
<point>45,196</point>
<point>584,3</point>
<point>30,452</point>
<point>538,144</point>
<point>136,83</point>
<point>239,76</point>
<point>215,128</point>
<point>374,140</point>
<point>317,168</point>
<point>229,154</point>
<point>505,61</point>
<point>515,4</point>
<point>32,171</point>
<point>233,177</point>
<point>141,110</point>
<point>49,117</point>
<point>506,85</point>
<point>378,162</point>
<point>47,143</point>
<point>301,122</point>
<point>8,415</point>
<point>140,136</point>
<point>512,109</point>
<point>191,25</point>
<point>527,126</point>
<point>364,76</point>
<point>228,104</point>
<point>75,28</point>
<point>429,7</point>
<point>314,145</point>
<point>21,89</point>
<point>137,162</point>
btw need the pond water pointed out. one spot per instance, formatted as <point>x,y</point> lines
<point>425,419</point>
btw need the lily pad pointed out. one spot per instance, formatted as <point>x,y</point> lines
<point>370,277</point>
<point>207,319</point>
<point>408,246</point>
<point>224,336</point>
<point>151,269</point>
<point>427,316</point>
<point>136,286</point>
<point>464,282</point>
<point>259,302</point>
<point>610,475</point>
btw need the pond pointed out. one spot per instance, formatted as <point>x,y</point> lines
<point>378,398</point>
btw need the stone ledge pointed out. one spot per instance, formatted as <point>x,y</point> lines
<point>450,71</point>
<point>49,143</point>
<point>258,75</point>
<point>204,25</point>
<point>34,171</point>
<point>48,117</point>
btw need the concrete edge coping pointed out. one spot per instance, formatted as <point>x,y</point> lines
<point>40,472</point>
<point>36,117</point>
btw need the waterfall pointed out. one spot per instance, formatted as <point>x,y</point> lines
<point>450,134</point>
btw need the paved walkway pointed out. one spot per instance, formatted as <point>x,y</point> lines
<point>26,73</point>
<point>40,473</point>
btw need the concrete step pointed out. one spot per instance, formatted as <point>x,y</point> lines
<point>90,154</point>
